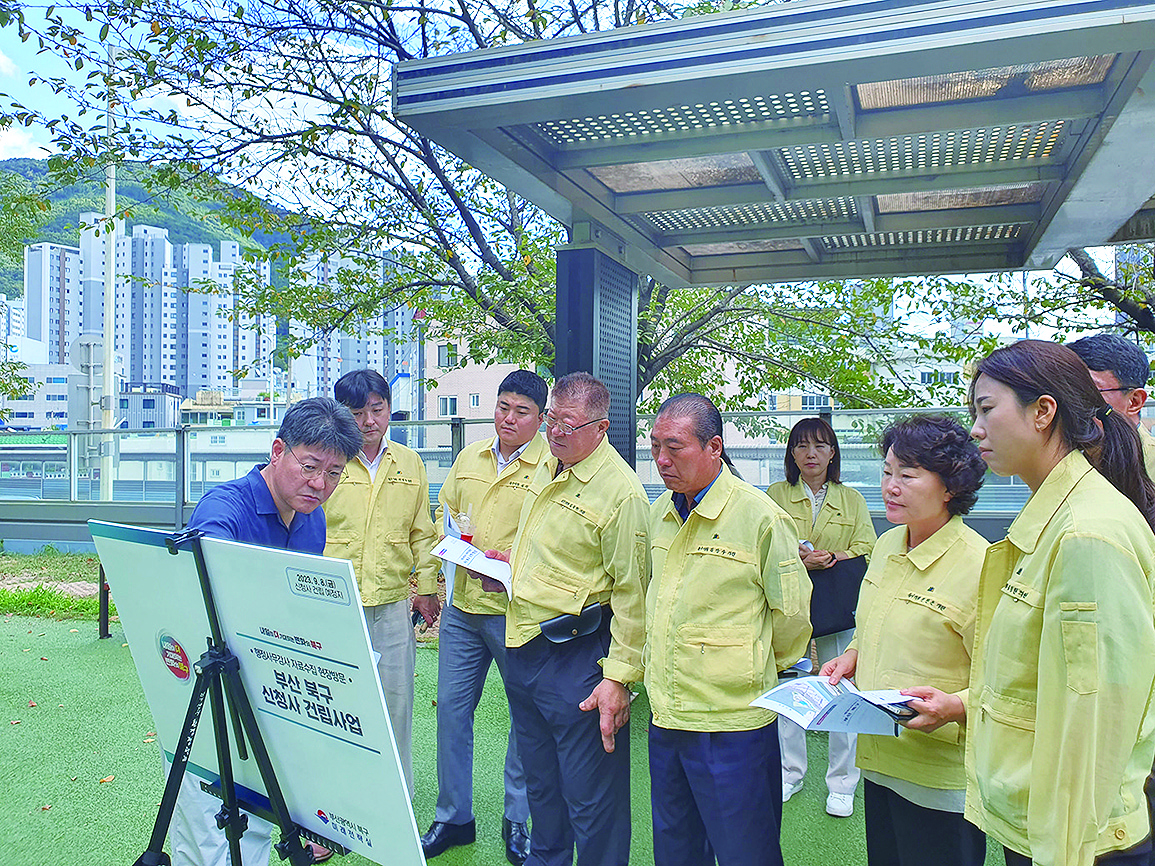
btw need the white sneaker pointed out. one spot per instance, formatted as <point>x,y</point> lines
<point>789,790</point>
<point>840,805</point>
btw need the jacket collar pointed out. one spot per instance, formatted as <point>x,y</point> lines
<point>535,452</point>
<point>931,550</point>
<point>1028,527</point>
<point>797,493</point>
<point>584,470</point>
<point>712,503</point>
<point>262,496</point>
<point>717,496</point>
<point>356,466</point>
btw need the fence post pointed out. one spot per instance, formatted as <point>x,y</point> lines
<point>179,473</point>
<point>103,615</point>
<point>73,467</point>
<point>457,436</point>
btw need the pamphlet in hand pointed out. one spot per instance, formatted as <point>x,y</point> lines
<point>816,705</point>
<point>467,556</point>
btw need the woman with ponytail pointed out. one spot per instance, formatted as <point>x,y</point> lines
<point>1059,716</point>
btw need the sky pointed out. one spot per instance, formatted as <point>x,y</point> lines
<point>18,62</point>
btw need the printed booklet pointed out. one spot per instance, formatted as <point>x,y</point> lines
<point>814,704</point>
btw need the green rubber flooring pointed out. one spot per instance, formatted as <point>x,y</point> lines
<point>80,781</point>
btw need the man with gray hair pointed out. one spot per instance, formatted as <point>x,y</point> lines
<point>277,504</point>
<point>1119,369</point>
<point>574,630</point>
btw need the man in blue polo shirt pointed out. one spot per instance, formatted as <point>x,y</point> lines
<point>277,504</point>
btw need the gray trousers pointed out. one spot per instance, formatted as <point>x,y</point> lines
<point>193,835</point>
<point>467,644</point>
<point>391,635</point>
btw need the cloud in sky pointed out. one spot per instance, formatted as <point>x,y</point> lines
<point>16,141</point>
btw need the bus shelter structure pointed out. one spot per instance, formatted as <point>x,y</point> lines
<point>808,140</point>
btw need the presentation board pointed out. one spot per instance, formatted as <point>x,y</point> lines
<point>294,621</point>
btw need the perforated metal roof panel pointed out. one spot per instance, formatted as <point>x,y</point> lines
<point>817,139</point>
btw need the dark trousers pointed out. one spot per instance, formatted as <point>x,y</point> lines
<point>716,795</point>
<point>579,795</point>
<point>901,833</point>
<point>1138,856</point>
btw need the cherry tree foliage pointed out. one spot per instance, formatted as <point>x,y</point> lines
<point>280,112</point>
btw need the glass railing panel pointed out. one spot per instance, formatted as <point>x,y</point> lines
<point>34,466</point>
<point>220,454</point>
<point>141,466</point>
<point>433,442</point>
<point>756,443</point>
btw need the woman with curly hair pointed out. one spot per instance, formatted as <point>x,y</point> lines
<point>915,624</point>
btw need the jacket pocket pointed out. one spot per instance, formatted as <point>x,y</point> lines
<point>713,665</point>
<point>1003,736</point>
<point>555,591</point>
<point>1080,645</point>
<point>340,545</point>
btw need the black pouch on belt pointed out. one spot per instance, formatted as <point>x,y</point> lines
<point>568,626</point>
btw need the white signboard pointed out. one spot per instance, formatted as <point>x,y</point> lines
<point>295,623</point>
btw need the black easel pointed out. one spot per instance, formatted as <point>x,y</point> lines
<point>218,675</point>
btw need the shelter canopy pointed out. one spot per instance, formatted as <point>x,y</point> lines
<point>817,139</point>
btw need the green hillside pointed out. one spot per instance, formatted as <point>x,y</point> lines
<point>187,221</point>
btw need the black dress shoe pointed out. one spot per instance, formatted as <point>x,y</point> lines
<point>441,837</point>
<point>516,837</point>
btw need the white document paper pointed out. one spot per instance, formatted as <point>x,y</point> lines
<point>448,568</point>
<point>816,705</point>
<point>467,556</point>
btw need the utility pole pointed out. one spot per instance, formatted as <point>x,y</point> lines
<point>108,395</point>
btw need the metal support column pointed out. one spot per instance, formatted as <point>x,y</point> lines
<point>597,331</point>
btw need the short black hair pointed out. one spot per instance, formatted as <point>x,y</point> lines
<point>939,444</point>
<point>817,430</point>
<point>353,389</point>
<point>528,384</point>
<point>321,422</point>
<point>1115,354</point>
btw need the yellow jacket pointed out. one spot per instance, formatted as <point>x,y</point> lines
<point>843,520</point>
<point>1060,723</point>
<point>383,526</point>
<point>1148,443</point>
<point>727,608</point>
<point>582,538</point>
<point>916,626</point>
<point>496,502</point>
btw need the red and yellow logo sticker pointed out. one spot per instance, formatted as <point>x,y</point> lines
<point>174,657</point>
